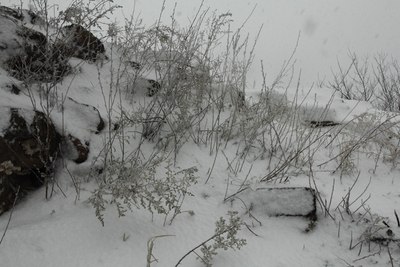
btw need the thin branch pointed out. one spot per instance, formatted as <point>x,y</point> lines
<point>11,213</point>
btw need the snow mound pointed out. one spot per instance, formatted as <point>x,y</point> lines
<point>282,201</point>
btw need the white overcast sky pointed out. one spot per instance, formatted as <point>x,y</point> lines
<point>329,28</point>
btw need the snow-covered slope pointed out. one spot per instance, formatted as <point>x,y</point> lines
<point>352,168</point>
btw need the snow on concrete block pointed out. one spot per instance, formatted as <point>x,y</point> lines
<point>284,201</point>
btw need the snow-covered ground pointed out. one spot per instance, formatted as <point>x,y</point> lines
<point>64,231</point>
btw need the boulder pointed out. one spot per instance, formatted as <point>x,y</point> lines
<point>134,65</point>
<point>83,115</point>
<point>29,146</point>
<point>81,43</point>
<point>283,201</point>
<point>322,123</point>
<point>23,15</point>
<point>34,18</point>
<point>10,41</point>
<point>9,12</point>
<point>77,151</point>
<point>12,88</point>
<point>153,88</point>
<point>26,53</point>
<point>80,122</point>
<point>36,65</point>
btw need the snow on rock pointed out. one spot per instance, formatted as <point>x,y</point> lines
<point>77,122</point>
<point>25,51</point>
<point>75,149</point>
<point>10,44</point>
<point>78,119</point>
<point>322,107</point>
<point>30,141</point>
<point>28,152</point>
<point>24,15</point>
<point>30,55</point>
<point>382,234</point>
<point>337,110</point>
<point>282,201</point>
<point>81,43</point>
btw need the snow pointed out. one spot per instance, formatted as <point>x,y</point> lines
<point>275,201</point>
<point>76,118</point>
<point>10,45</point>
<point>64,230</point>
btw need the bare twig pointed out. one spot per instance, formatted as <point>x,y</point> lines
<point>11,213</point>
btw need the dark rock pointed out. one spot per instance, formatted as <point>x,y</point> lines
<point>153,88</point>
<point>32,36</point>
<point>28,153</point>
<point>14,89</point>
<point>23,15</point>
<point>318,124</point>
<point>135,65</point>
<point>81,120</point>
<point>80,43</point>
<point>36,60</point>
<point>7,11</point>
<point>78,152</point>
<point>34,65</point>
<point>35,18</point>
<point>241,100</point>
<point>116,126</point>
<point>26,53</point>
